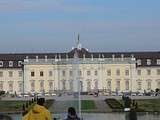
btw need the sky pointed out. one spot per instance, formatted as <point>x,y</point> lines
<point>103,25</point>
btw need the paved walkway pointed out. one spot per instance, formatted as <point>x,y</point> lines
<point>62,106</point>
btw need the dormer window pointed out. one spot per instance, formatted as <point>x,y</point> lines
<point>10,63</point>
<point>148,61</point>
<point>139,62</point>
<point>19,63</point>
<point>158,61</point>
<point>1,63</point>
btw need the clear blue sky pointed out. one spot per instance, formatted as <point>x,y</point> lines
<point>104,25</point>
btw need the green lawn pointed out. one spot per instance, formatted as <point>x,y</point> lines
<point>11,105</point>
<point>148,104</point>
<point>88,104</point>
<point>85,104</point>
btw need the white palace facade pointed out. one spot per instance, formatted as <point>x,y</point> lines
<point>104,71</point>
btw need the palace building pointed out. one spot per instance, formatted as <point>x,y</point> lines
<point>105,71</point>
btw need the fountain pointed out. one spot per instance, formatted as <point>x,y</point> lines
<point>76,81</point>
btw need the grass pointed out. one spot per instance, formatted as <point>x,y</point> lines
<point>11,105</point>
<point>148,105</point>
<point>88,104</point>
<point>85,104</point>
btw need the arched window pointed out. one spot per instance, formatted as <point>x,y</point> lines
<point>32,86</point>
<point>127,85</point>
<point>109,85</point>
<point>63,85</point>
<point>41,86</point>
<point>96,85</point>
<point>88,86</point>
<point>71,85</point>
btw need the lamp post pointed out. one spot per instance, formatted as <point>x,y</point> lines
<point>23,77</point>
<point>130,64</point>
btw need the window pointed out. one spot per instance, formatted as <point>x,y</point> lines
<point>138,72</point>
<point>1,63</point>
<point>109,85</point>
<point>32,74</point>
<point>108,72</point>
<point>118,85</point>
<point>158,84</point>
<point>148,72</point>
<point>88,73</point>
<point>79,73</point>
<point>41,73</point>
<point>139,62</point>
<point>20,86</point>
<point>96,85</point>
<point>149,85</point>
<point>10,74</point>
<point>50,86</point>
<point>148,61</point>
<point>71,73</point>
<point>20,73</point>
<point>139,85</point>
<point>127,72</point>
<point>71,85</point>
<point>63,73</point>
<point>50,73</point>
<point>64,85</point>
<point>42,86</point>
<point>1,85</point>
<point>118,72</point>
<point>32,86</point>
<point>10,86</point>
<point>19,63</point>
<point>158,71</point>
<point>10,63</point>
<point>127,85</point>
<point>1,74</point>
<point>158,61</point>
<point>88,86</point>
<point>95,72</point>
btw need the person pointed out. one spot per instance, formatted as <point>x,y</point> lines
<point>38,112</point>
<point>72,114</point>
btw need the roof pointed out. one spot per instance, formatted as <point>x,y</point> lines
<point>143,56</point>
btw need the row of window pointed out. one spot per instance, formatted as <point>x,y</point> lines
<point>10,63</point>
<point>11,86</point>
<point>139,85</point>
<point>41,73</point>
<point>149,85</point>
<point>148,62</point>
<point>10,73</point>
<point>32,84</point>
<point>51,85</point>
<point>41,86</point>
<point>148,72</point>
<point>109,73</point>
<point>88,73</point>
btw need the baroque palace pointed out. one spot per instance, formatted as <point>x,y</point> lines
<point>104,71</point>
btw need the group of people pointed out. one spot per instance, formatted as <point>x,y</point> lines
<point>39,112</point>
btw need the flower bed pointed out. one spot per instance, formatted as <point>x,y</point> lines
<point>114,104</point>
